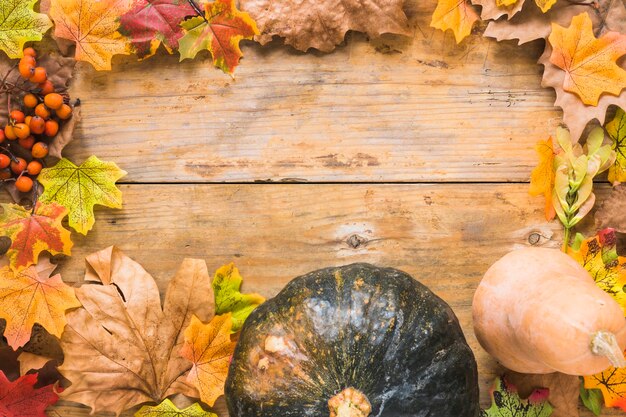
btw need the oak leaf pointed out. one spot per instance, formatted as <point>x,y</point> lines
<point>33,232</point>
<point>598,255</point>
<point>29,296</point>
<point>79,188</point>
<point>506,402</point>
<point>616,129</point>
<point>612,210</point>
<point>226,284</point>
<point>564,390</point>
<point>590,62</point>
<point>20,398</point>
<point>168,409</point>
<point>122,347</point>
<point>150,23</point>
<point>322,24</point>
<point>542,177</point>
<point>19,24</point>
<point>93,27</point>
<point>209,348</point>
<point>456,15</point>
<point>219,31</point>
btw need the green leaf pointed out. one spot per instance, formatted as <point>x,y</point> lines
<point>19,24</point>
<point>168,409</point>
<point>507,403</point>
<point>592,399</point>
<point>617,132</point>
<point>228,299</point>
<point>80,188</point>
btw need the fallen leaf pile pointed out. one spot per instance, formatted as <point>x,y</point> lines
<point>585,43</point>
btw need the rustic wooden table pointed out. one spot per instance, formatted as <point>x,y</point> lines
<point>410,153</point>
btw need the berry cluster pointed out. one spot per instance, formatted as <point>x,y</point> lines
<point>31,127</point>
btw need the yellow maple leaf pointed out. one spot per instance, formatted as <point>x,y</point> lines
<point>590,63</point>
<point>210,348</point>
<point>506,3</point>
<point>168,409</point>
<point>28,297</point>
<point>545,5</point>
<point>457,15</point>
<point>92,25</point>
<point>542,177</point>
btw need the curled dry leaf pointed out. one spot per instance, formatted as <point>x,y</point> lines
<point>322,24</point>
<point>122,348</point>
<point>564,390</point>
<point>612,211</point>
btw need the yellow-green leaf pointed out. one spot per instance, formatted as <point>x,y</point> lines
<point>617,131</point>
<point>505,3</point>
<point>168,409</point>
<point>19,24</point>
<point>79,188</point>
<point>228,299</point>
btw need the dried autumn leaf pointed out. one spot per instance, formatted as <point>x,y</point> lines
<point>20,398</point>
<point>491,10</point>
<point>152,22</point>
<point>598,255</point>
<point>168,409</point>
<point>322,24</point>
<point>507,403</point>
<point>80,188</point>
<point>92,25</point>
<point>456,15</point>
<point>612,210</point>
<point>209,348</point>
<point>564,390</point>
<point>33,232</point>
<point>542,177</point>
<point>590,62</point>
<point>226,284</point>
<point>28,297</point>
<point>219,31</point>
<point>617,132</point>
<point>19,24</point>
<point>122,348</point>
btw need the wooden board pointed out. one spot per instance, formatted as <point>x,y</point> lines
<point>398,109</point>
<point>446,235</point>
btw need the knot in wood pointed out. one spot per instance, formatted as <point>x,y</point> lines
<point>354,241</point>
<point>534,238</point>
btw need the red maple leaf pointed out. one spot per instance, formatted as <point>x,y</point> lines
<point>151,22</point>
<point>21,399</point>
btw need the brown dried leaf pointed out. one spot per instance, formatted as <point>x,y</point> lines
<point>491,11</point>
<point>122,348</point>
<point>564,390</point>
<point>322,24</point>
<point>576,115</point>
<point>531,23</point>
<point>612,211</point>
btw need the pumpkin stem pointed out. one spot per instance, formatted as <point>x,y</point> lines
<point>349,403</point>
<point>605,344</point>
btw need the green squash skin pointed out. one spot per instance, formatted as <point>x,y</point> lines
<point>375,329</point>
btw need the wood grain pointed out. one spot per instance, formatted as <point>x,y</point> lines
<point>445,235</point>
<point>418,109</point>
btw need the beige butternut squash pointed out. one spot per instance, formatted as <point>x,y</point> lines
<point>537,310</point>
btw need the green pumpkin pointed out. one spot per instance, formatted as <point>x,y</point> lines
<point>353,341</point>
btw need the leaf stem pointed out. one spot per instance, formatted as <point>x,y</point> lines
<point>566,238</point>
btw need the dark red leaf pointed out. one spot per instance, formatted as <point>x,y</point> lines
<point>20,399</point>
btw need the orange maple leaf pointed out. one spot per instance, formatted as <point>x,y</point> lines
<point>210,348</point>
<point>93,26</point>
<point>28,297</point>
<point>590,62</point>
<point>457,15</point>
<point>32,232</point>
<point>542,177</point>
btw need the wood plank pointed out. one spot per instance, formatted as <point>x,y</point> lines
<point>446,235</point>
<point>397,109</point>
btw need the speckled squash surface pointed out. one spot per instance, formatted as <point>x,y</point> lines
<point>371,341</point>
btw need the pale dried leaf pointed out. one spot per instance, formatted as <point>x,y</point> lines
<point>491,11</point>
<point>564,390</point>
<point>322,24</point>
<point>122,348</point>
<point>612,211</point>
<point>30,361</point>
